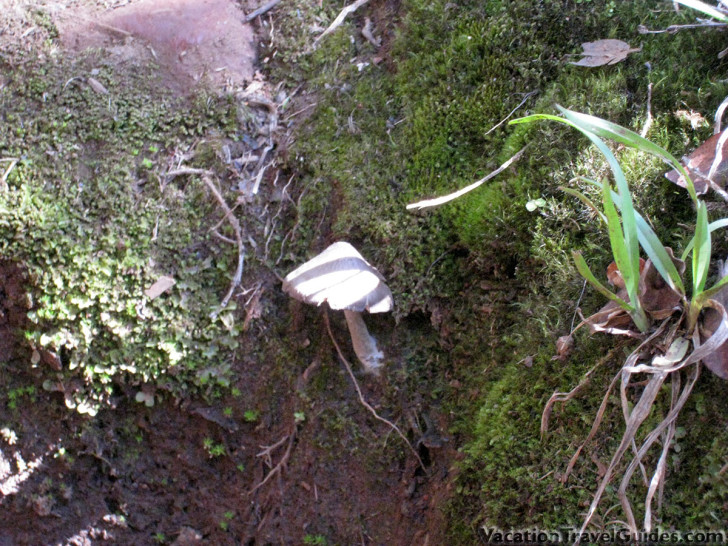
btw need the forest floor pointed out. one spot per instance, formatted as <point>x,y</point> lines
<point>270,463</point>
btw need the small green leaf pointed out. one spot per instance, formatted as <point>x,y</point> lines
<point>701,252</point>
<point>589,276</point>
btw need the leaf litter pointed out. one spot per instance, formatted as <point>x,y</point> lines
<point>604,52</point>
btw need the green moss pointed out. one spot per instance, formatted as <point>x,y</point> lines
<point>496,280</point>
<point>87,213</point>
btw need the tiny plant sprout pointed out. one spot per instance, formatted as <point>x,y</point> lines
<point>341,277</point>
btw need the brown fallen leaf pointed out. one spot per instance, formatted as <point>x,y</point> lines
<point>564,346</point>
<point>604,52</point>
<point>160,287</point>
<point>716,362</point>
<point>658,300</point>
<point>698,165</point>
<point>97,86</point>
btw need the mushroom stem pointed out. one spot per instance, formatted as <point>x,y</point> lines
<point>365,346</point>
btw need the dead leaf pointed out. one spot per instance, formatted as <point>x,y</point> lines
<point>160,287</point>
<point>716,362</point>
<point>564,346</point>
<point>698,165</point>
<point>97,86</point>
<point>695,119</point>
<point>604,52</point>
<point>658,300</point>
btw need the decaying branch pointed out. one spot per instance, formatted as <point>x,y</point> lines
<point>339,20</point>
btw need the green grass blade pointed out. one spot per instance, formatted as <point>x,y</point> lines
<point>701,251</point>
<point>584,199</point>
<point>705,295</point>
<point>607,129</point>
<point>655,251</point>
<point>585,272</point>
<point>628,269</point>
<point>711,227</point>
<point>705,8</point>
<point>630,238</point>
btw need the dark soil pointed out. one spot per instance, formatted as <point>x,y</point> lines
<point>290,458</point>
<point>137,475</point>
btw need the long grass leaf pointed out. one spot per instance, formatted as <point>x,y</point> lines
<point>585,272</point>
<point>711,227</point>
<point>707,9</point>
<point>629,224</point>
<point>654,248</point>
<point>701,252</point>
<point>584,199</point>
<point>630,273</point>
<point>607,129</point>
<point>705,295</point>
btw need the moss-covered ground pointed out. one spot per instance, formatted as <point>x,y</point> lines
<point>89,210</point>
<point>496,279</point>
<point>483,285</point>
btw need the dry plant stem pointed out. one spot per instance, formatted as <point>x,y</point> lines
<point>565,397</point>
<point>446,198</point>
<point>658,478</point>
<point>718,155</point>
<point>648,121</point>
<point>237,278</point>
<point>593,431</point>
<point>603,406</point>
<point>652,437</point>
<point>339,19</point>
<point>719,116</point>
<point>186,170</point>
<point>4,180</point>
<point>281,464</point>
<point>638,415</point>
<point>361,396</point>
<point>262,10</point>
<point>501,122</point>
<point>675,28</point>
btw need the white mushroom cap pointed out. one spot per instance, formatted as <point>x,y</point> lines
<point>341,277</point>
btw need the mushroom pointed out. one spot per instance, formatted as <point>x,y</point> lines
<point>341,277</point>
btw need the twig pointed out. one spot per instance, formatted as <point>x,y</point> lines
<point>262,10</point>
<point>361,396</point>
<point>446,198</point>
<point>367,33</point>
<point>186,170</point>
<point>241,249</point>
<point>339,19</point>
<point>648,121</point>
<point>501,122</point>
<point>281,464</point>
<point>675,28</point>
<point>4,180</point>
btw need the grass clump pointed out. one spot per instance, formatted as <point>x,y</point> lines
<point>90,213</point>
